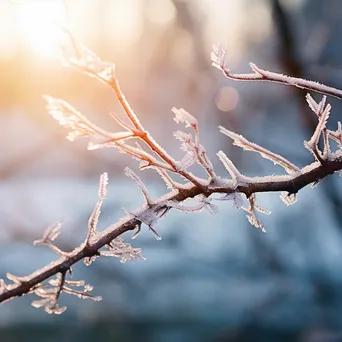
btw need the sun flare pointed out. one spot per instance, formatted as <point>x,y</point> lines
<point>38,22</point>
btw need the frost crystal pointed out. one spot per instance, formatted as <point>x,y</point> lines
<point>246,145</point>
<point>208,205</point>
<point>118,248</point>
<point>251,216</point>
<point>230,167</point>
<point>182,116</point>
<point>218,56</point>
<point>141,185</point>
<point>88,61</point>
<point>288,198</point>
<point>94,217</point>
<point>51,291</point>
<point>323,116</point>
<point>235,197</point>
<point>67,116</point>
<point>150,218</point>
<point>51,233</point>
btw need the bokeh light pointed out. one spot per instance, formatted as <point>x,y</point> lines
<point>227,99</point>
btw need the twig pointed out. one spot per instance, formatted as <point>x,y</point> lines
<point>218,56</point>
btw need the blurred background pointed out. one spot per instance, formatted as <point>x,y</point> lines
<point>211,278</point>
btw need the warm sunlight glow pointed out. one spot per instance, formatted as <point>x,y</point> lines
<point>161,12</point>
<point>37,22</point>
<point>125,20</point>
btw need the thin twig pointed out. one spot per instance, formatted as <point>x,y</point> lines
<point>259,74</point>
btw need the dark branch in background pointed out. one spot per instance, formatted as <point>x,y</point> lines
<point>289,57</point>
<point>292,63</point>
<point>135,141</point>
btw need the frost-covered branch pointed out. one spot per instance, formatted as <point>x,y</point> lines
<point>136,141</point>
<point>218,60</point>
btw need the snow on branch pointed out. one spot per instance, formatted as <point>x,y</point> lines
<point>51,281</point>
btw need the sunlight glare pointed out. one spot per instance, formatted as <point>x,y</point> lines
<point>161,12</point>
<point>125,20</point>
<point>38,22</point>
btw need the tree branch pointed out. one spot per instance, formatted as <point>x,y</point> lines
<point>218,56</point>
<point>109,242</point>
<point>291,184</point>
